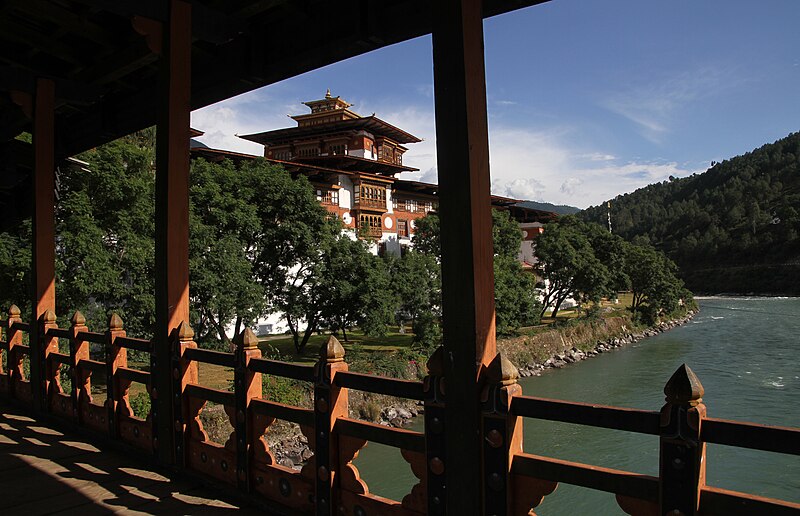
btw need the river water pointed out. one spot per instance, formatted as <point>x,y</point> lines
<point>746,352</point>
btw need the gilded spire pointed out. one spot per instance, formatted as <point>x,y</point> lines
<point>328,93</point>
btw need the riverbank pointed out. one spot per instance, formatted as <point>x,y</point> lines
<point>550,349</point>
<point>559,347</point>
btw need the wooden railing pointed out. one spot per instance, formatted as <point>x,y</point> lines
<point>329,483</point>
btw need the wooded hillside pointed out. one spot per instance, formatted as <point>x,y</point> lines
<point>733,228</point>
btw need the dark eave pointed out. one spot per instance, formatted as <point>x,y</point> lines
<point>372,124</point>
<point>356,164</point>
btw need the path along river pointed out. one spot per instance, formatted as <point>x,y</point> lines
<point>746,352</point>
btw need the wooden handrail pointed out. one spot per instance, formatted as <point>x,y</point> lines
<point>750,435</point>
<point>59,333</point>
<point>210,357</point>
<point>92,365</point>
<point>134,375</point>
<point>60,358</point>
<point>134,343</point>
<point>207,393</point>
<point>21,326</point>
<point>303,373</point>
<point>624,483</point>
<point>290,413</point>
<point>380,385</point>
<point>396,437</point>
<point>714,500</point>
<point>603,416</point>
<point>91,336</point>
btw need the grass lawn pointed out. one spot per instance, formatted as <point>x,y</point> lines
<point>284,345</point>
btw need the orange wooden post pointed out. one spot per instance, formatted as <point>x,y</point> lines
<point>466,238</point>
<point>434,388</point>
<point>14,360</point>
<point>79,350</point>
<point>184,372</point>
<point>683,454</point>
<point>43,266</point>
<point>47,345</point>
<point>247,386</point>
<point>172,216</point>
<point>502,435</point>
<point>116,357</point>
<point>330,403</point>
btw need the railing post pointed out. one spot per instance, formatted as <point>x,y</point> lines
<point>79,350</point>
<point>247,385</point>
<point>682,453</point>
<point>434,388</point>
<point>116,357</point>
<point>501,435</point>
<point>330,402</point>
<point>14,360</point>
<point>184,372</point>
<point>47,345</point>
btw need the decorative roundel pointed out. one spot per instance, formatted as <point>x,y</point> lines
<point>346,218</point>
<point>387,222</point>
<point>413,224</point>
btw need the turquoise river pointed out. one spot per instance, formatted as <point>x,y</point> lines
<point>746,352</point>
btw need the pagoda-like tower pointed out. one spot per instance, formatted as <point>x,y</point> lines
<point>355,160</point>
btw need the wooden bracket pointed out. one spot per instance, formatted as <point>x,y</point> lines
<point>152,30</point>
<point>24,100</point>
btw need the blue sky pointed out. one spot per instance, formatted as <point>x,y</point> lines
<point>587,99</point>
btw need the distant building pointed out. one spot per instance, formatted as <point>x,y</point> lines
<point>352,161</point>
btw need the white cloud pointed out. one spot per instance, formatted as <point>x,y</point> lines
<point>541,165</point>
<point>652,106</point>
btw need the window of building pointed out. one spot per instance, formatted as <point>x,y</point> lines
<point>411,205</point>
<point>370,224</point>
<point>402,228</point>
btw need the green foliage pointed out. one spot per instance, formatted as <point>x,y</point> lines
<point>427,332</point>
<point>225,232</point>
<point>105,223</point>
<point>516,303</point>
<point>734,228</point>
<point>140,404</point>
<point>284,390</point>
<point>569,265</point>
<point>416,282</point>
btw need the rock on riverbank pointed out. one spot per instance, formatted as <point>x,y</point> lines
<point>588,349</point>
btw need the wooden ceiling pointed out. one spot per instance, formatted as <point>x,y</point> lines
<point>105,74</point>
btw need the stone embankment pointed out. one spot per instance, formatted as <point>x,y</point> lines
<point>576,354</point>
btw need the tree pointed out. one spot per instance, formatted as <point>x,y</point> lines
<point>515,299</point>
<point>105,232</point>
<point>358,288</point>
<point>569,266</point>
<point>225,229</point>
<point>655,286</point>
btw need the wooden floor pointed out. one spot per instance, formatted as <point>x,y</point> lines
<point>46,471</point>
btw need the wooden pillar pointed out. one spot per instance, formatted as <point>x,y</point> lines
<point>172,214</point>
<point>116,357</point>
<point>466,235</point>
<point>682,461</point>
<point>43,297</point>
<point>247,386</point>
<point>330,403</point>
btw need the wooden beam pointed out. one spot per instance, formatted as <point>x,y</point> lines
<point>466,235</point>
<point>172,212</point>
<point>43,297</point>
